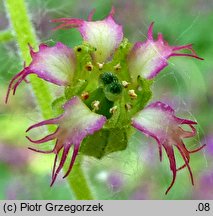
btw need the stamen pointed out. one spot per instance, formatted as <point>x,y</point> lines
<point>128,106</point>
<point>89,66</point>
<point>132,94</point>
<point>125,84</point>
<point>113,109</point>
<point>100,65</point>
<point>95,105</point>
<point>85,95</point>
<point>117,67</point>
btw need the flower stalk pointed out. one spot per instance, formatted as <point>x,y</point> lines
<point>25,35</point>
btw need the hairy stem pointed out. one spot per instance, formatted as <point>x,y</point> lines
<point>78,182</point>
<point>25,35</point>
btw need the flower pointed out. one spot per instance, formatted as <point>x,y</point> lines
<point>158,120</point>
<point>54,64</point>
<point>113,78</point>
<point>105,35</point>
<point>148,58</point>
<point>74,125</point>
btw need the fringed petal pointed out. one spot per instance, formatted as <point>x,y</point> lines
<point>158,120</point>
<point>148,58</point>
<point>75,124</point>
<point>54,64</point>
<point>104,35</point>
<point>80,120</point>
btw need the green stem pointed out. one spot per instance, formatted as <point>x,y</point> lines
<point>78,182</point>
<point>25,35</point>
<point>6,35</point>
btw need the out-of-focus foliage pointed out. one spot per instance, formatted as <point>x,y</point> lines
<point>135,173</point>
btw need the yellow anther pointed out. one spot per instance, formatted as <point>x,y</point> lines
<point>125,84</point>
<point>117,67</point>
<point>100,65</point>
<point>113,109</point>
<point>95,105</point>
<point>132,94</point>
<point>128,106</point>
<point>89,66</point>
<point>85,95</point>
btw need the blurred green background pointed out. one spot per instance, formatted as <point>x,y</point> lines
<point>136,173</point>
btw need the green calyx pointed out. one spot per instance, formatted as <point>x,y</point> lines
<point>108,90</point>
